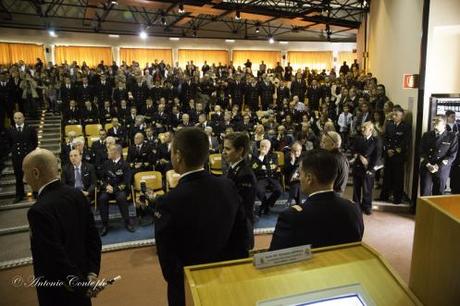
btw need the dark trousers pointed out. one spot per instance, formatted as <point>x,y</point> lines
<point>19,175</point>
<point>363,184</point>
<point>120,197</point>
<point>176,290</point>
<point>455,179</point>
<point>433,183</point>
<point>393,178</point>
<point>262,187</point>
<point>294,193</point>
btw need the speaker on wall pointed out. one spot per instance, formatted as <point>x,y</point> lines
<point>47,50</point>
<point>284,57</point>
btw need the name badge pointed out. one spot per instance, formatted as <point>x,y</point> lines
<point>281,257</point>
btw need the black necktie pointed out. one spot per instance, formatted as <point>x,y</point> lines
<point>20,129</point>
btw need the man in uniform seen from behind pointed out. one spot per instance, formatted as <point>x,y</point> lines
<point>325,218</point>
<point>199,221</point>
<point>22,140</point>
<point>66,248</point>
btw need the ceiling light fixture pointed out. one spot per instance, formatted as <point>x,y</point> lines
<point>181,9</point>
<point>114,35</point>
<point>271,39</point>
<point>52,33</point>
<point>143,35</point>
<point>237,15</point>
<point>283,42</point>
<point>174,38</point>
<point>230,40</point>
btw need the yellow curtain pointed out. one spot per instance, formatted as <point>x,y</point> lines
<point>143,56</point>
<point>347,56</point>
<point>270,58</point>
<point>4,54</point>
<point>317,60</point>
<point>11,53</point>
<point>91,55</point>
<point>199,56</point>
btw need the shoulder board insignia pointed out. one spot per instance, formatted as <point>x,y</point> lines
<point>297,207</point>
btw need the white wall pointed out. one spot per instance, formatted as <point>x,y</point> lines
<point>395,29</point>
<point>71,38</point>
<point>443,51</point>
<point>394,32</point>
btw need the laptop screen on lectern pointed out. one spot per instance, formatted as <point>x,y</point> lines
<point>352,300</point>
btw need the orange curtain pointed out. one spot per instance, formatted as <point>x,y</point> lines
<point>199,56</point>
<point>317,60</point>
<point>11,53</point>
<point>270,58</point>
<point>91,55</point>
<point>347,56</point>
<point>144,56</point>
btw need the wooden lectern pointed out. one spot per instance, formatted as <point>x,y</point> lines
<point>240,283</point>
<point>435,269</point>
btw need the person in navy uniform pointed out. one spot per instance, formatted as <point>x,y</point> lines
<point>89,113</point>
<point>332,142</point>
<point>22,139</point>
<point>396,144</point>
<point>264,164</point>
<point>65,245</point>
<point>106,113</point>
<point>103,91</point>
<point>139,92</point>
<point>85,92</point>
<point>365,154</point>
<point>266,92</point>
<point>452,125</point>
<point>291,172</point>
<point>236,148</point>
<point>236,91</point>
<point>325,218</point>
<point>438,149</point>
<point>115,184</point>
<point>79,174</point>
<point>140,155</point>
<point>71,114</point>
<point>190,228</point>
<point>118,132</point>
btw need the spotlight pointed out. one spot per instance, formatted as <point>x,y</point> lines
<point>257,29</point>
<point>181,9</point>
<point>271,40</point>
<point>143,35</point>
<point>52,33</point>
<point>163,20</point>
<point>114,2</point>
<point>237,15</point>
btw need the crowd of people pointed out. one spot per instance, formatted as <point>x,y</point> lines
<point>284,112</point>
<point>300,131</point>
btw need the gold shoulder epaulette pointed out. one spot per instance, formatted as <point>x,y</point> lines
<point>297,207</point>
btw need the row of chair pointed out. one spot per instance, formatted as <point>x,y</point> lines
<point>90,129</point>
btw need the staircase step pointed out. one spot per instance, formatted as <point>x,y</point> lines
<point>7,182</point>
<point>13,218</point>
<point>10,191</point>
<point>8,170</point>
<point>15,246</point>
<point>7,204</point>
<point>51,135</point>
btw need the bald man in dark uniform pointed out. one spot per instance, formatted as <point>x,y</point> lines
<point>66,248</point>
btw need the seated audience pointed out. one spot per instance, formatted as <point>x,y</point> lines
<point>79,174</point>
